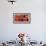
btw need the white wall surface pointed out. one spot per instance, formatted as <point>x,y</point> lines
<point>37,28</point>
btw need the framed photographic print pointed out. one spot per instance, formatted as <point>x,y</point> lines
<point>21,18</point>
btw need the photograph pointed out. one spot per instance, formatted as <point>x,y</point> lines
<point>21,18</point>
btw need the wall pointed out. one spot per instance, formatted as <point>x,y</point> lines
<point>37,28</point>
